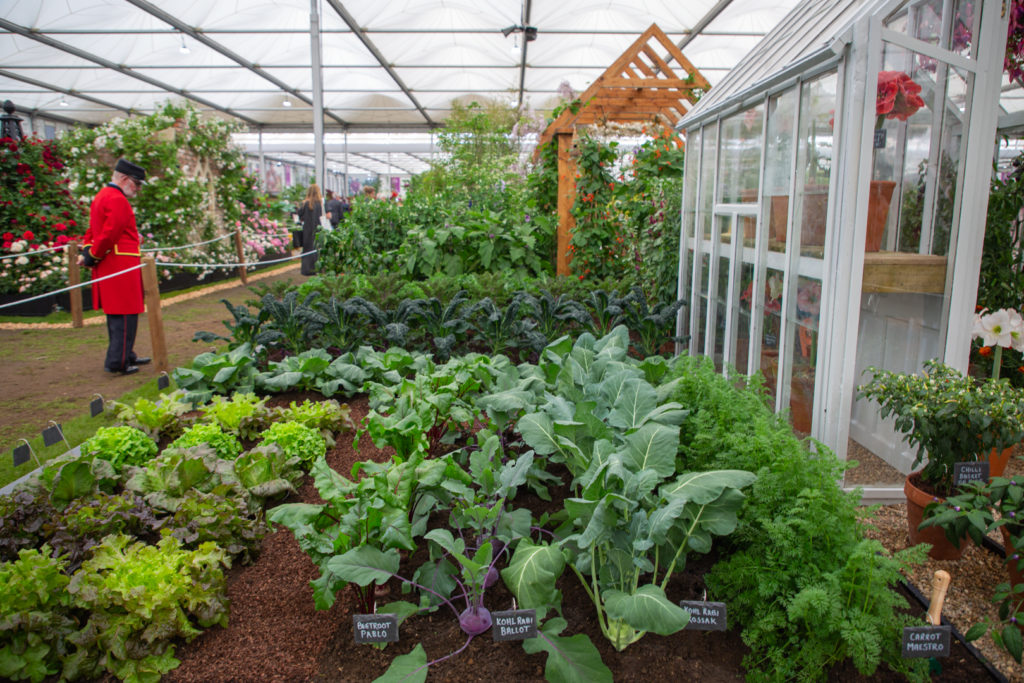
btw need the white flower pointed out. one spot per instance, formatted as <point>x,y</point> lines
<point>21,261</point>
<point>18,246</point>
<point>1003,328</point>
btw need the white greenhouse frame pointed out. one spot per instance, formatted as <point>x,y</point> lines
<point>846,39</point>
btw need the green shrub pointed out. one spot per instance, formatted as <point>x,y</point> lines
<point>224,445</point>
<point>295,439</point>
<point>120,446</point>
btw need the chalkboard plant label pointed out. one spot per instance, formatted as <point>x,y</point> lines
<point>163,381</point>
<point>515,624</point>
<point>95,407</point>
<point>21,454</point>
<point>52,435</point>
<point>375,628</point>
<point>705,616</point>
<point>966,472</point>
<point>926,641</point>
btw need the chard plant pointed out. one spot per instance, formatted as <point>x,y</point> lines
<point>301,372</point>
<point>217,373</point>
<point>386,509</point>
<point>434,408</point>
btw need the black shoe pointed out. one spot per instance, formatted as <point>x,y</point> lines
<point>142,360</point>
<point>130,370</point>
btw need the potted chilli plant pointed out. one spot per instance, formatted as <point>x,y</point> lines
<point>981,508</point>
<point>951,418</point>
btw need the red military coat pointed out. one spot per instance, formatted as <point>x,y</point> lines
<point>113,239</point>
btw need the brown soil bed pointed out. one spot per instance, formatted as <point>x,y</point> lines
<point>275,634</point>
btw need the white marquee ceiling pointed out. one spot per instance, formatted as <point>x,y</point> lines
<point>386,65</point>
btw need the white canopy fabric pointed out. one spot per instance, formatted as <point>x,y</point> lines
<point>387,65</point>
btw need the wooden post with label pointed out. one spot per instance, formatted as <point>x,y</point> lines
<point>74,278</point>
<point>151,293</point>
<point>566,198</point>
<point>241,256</point>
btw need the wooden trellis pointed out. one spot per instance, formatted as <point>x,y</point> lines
<point>639,86</point>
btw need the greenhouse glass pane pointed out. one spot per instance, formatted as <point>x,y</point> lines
<point>778,163</point>
<point>817,111</point>
<point>741,156</point>
<point>707,177</point>
<point>771,328</point>
<point>741,352</point>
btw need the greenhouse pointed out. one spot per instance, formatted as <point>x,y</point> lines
<point>575,342</point>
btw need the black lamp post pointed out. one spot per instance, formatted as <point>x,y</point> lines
<point>10,125</point>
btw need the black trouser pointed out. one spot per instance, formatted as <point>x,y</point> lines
<point>121,332</point>
<point>308,244</point>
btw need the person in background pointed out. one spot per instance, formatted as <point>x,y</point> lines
<point>335,208</point>
<point>369,191</point>
<point>310,210</point>
<point>112,244</point>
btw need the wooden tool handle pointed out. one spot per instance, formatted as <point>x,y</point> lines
<point>940,583</point>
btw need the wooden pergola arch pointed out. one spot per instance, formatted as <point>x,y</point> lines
<point>638,86</point>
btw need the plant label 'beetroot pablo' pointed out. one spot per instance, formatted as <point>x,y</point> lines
<point>704,616</point>
<point>375,628</point>
<point>517,624</point>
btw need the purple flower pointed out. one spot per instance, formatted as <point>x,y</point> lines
<point>491,236</point>
<point>1011,513</point>
<point>957,508</point>
<point>527,218</point>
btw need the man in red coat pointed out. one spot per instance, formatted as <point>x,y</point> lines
<point>112,245</point>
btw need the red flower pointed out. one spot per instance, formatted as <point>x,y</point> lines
<point>985,350</point>
<point>60,227</point>
<point>8,236</point>
<point>897,95</point>
<point>29,235</point>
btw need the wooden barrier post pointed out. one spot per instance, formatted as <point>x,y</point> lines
<point>241,256</point>
<point>151,292</point>
<point>74,278</point>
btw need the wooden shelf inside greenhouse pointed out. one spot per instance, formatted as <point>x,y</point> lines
<point>891,271</point>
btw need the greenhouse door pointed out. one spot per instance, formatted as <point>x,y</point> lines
<point>724,323</point>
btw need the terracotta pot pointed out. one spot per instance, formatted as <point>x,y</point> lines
<point>997,461</point>
<point>879,199</point>
<point>917,499</point>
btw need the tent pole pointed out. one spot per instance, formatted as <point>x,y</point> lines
<point>318,91</point>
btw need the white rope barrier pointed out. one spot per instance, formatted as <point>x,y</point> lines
<point>233,265</point>
<point>30,253</point>
<point>70,287</point>
<point>190,246</point>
